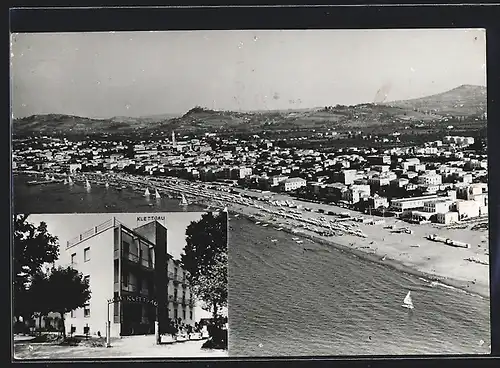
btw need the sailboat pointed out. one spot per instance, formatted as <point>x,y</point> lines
<point>65,181</point>
<point>47,177</point>
<point>157,194</point>
<point>52,178</point>
<point>87,184</point>
<point>70,181</point>
<point>183,201</point>
<point>146,193</point>
<point>407,302</point>
<point>107,185</point>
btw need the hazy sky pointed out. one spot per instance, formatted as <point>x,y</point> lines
<point>68,226</point>
<point>148,73</point>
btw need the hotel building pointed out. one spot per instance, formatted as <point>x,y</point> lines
<point>133,280</point>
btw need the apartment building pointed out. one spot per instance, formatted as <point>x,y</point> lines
<point>292,184</point>
<point>128,273</point>
<point>403,204</point>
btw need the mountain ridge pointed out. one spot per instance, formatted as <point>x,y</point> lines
<point>467,101</point>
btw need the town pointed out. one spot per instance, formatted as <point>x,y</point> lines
<point>441,181</point>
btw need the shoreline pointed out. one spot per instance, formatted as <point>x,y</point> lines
<point>457,285</point>
<point>380,252</point>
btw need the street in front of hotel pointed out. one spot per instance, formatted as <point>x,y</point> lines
<point>143,346</point>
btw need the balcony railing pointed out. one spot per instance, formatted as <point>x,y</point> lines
<point>134,258</point>
<point>132,288</point>
<point>91,232</point>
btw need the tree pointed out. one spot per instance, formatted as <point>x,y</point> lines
<point>212,287</point>
<point>205,258</point>
<point>34,246</point>
<point>67,290</point>
<point>38,292</point>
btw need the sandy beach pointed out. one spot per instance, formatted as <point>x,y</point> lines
<point>407,251</point>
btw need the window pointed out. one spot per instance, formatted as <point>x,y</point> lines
<point>183,314</point>
<point>175,314</point>
<point>126,248</point>
<point>86,311</point>
<point>175,293</point>
<point>86,254</point>
<point>125,279</point>
<point>190,314</point>
<point>139,284</point>
<point>72,314</point>
<point>73,258</point>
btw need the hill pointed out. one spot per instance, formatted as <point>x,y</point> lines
<point>464,100</point>
<point>467,102</point>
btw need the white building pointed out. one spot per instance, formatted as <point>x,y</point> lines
<point>430,179</point>
<point>292,184</point>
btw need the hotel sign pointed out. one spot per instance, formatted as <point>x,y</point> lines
<point>150,218</point>
<point>133,299</point>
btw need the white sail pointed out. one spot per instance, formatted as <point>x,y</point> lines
<point>107,185</point>
<point>47,177</point>
<point>87,183</point>
<point>184,201</point>
<point>65,181</point>
<point>70,181</point>
<point>146,193</point>
<point>52,178</point>
<point>408,302</point>
<point>157,194</point>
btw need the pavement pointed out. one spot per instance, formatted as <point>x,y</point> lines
<point>129,347</point>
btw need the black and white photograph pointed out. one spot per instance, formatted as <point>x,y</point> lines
<point>351,164</point>
<point>120,285</point>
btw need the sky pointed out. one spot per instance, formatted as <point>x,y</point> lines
<point>68,226</point>
<point>134,74</point>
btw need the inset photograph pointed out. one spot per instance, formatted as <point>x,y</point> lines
<point>120,285</point>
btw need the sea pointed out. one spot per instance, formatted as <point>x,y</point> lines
<point>308,299</point>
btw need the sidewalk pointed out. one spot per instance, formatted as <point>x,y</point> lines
<point>129,346</point>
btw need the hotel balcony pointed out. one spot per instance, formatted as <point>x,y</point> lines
<point>135,260</point>
<point>131,288</point>
<point>176,279</point>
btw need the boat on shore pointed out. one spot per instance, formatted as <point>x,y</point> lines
<point>157,194</point>
<point>147,193</point>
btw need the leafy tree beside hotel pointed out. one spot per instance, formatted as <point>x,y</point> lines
<point>39,291</point>
<point>34,247</point>
<point>205,258</point>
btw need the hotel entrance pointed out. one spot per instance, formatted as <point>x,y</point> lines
<point>138,318</point>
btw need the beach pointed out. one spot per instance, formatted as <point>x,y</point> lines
<point>410,251</point>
